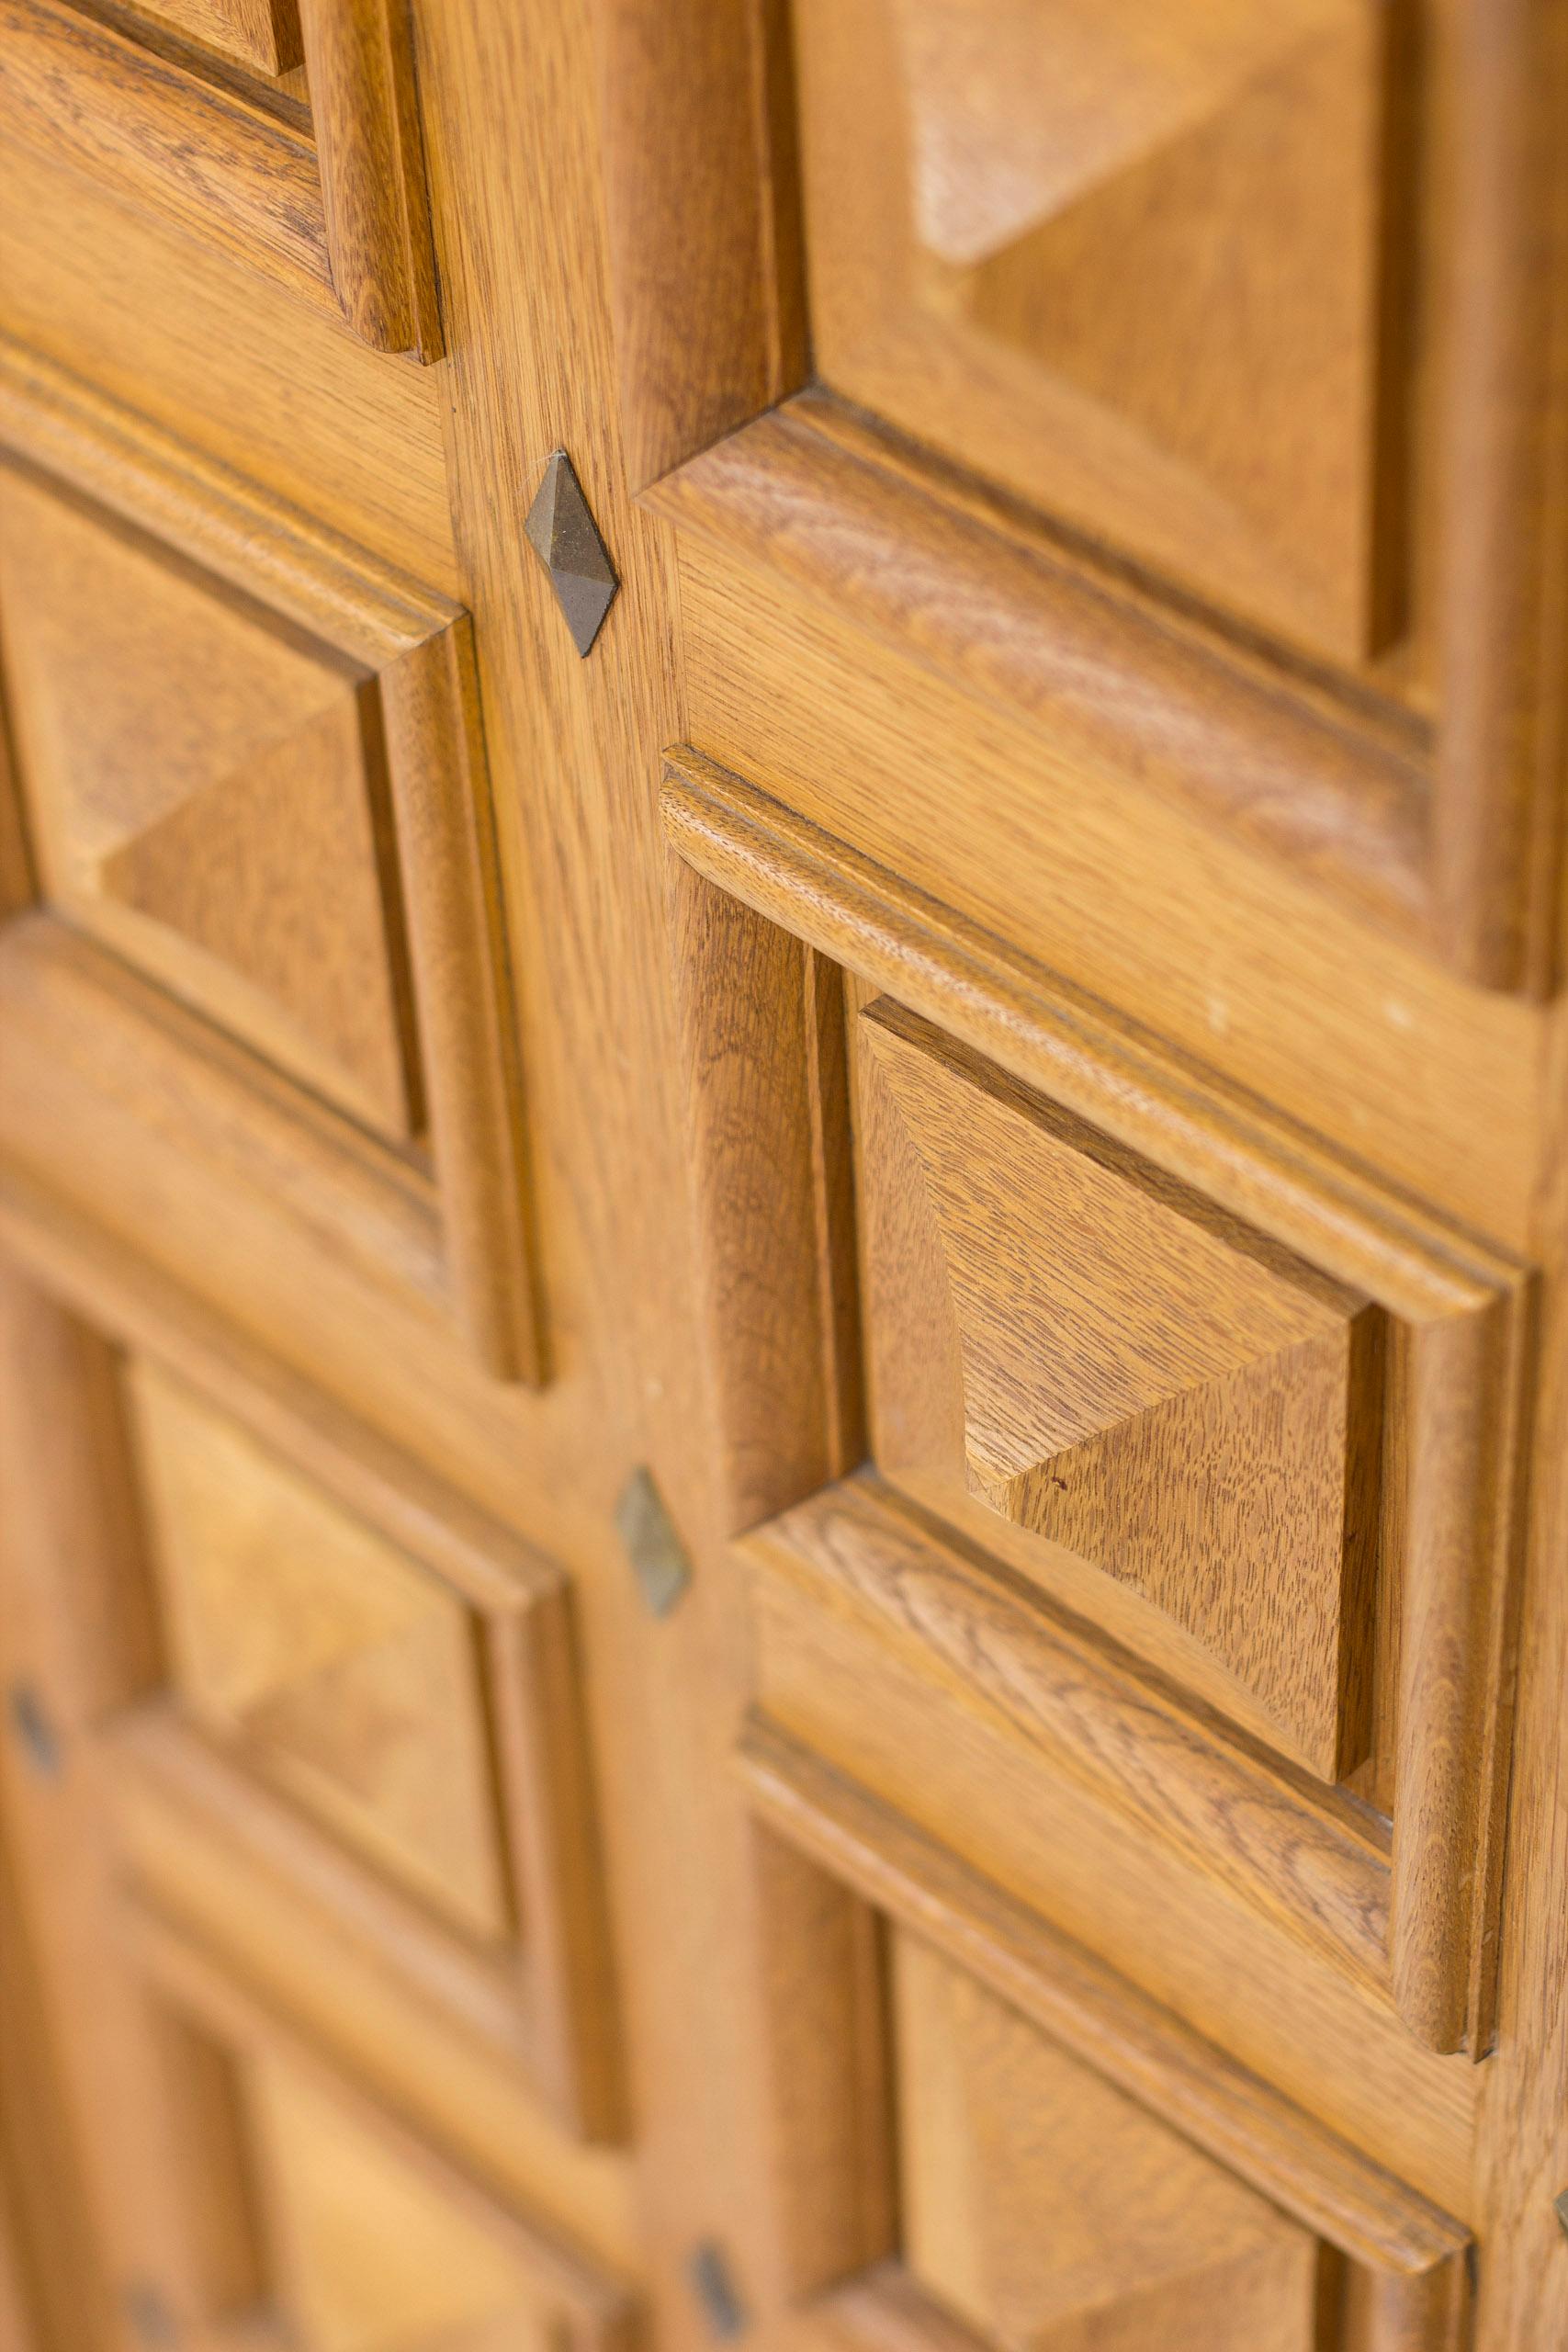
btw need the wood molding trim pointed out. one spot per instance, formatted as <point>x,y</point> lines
<point>243,179</point>
<point>337,214</point>
<point>1464,1310</point>
<point>541,1997</point>
<point>417,646</point>
<point>1449,838</point>
<point>1226,2109</point>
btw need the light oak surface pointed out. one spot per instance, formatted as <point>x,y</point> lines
<point>996,1044</point>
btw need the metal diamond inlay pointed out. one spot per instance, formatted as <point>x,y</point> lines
<point>655,1550</point>
<point>564,536</point>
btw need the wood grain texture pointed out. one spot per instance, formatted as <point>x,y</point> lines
<point>1499,785</point>
<point>382,1745</point>
<point>1169,1398</point>
<point>202,793</point>
<point>217,169</point>
<point>365,113</point>
<point>1317,1866</point>
<point>1022,623</point>
<point>430,850</point>
<point>1015,250</point>
<point>1241,2121</point>
<point>283,392</point>
<point>1045,2208</point>
<point>1394,2273</point>
<point>440,789</point>
<point>1159,118</point>
<point>262,34</point>
<point>827,2057</point>
<point>763,1043</point>
<point>342,1670</point>
<point>709,315</point>
<point>1462,1324</point>
<point>1073,864</point>
<point>396,1665</point>
<point>363,2226</point>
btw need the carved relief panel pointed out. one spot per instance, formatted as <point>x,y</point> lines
<point>1024,245</point>
<point>1189,1452</point>
<point>255,838</point>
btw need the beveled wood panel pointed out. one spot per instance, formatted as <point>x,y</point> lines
<point>352,1680</point>
<point>309,2207</point>
<point>1063,1340</point>
<point>309,860</point>
<point>203,793</point>
<point>1045,2199</point>
<point>1045,2208</point>
<point>332,204</point>
<point>1016,253</point>
<point>1415,1690</point>
<point>341,1668</point>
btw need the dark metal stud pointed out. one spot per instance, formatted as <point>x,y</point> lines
<point>150,2314</point>
<point>564,536</point>
<point>653,1547</point>
<point>31,1723</point>
<point>716,2290</point>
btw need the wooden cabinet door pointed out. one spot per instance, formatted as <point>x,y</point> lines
<point>781,1136</point>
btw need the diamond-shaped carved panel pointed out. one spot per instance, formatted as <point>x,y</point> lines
<point>205,790</point>
<point>1065,1338</point>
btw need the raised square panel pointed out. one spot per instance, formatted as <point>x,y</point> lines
<point>1128,261</point>
<point>346,1672</point>
<point>307,2216</point>
<point>984,2137</point>
<point>1048,2210</point>
<point>334,1710</point>
<point>265,937</point>
<point>1094,1428</point>
<point>1067,1337</point>
<point>207,793</point>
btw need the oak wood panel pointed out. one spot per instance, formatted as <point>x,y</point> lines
<point>1067,862</point>
<point>709,316</point>
<point>459,1774</point>
<point>52,2289</point>
<point>285,393</point>
<point>1469,233</point>
<point>762,1028</point>
<point>1105,1339</point>
<point>1014,253</point>
<point>1035,1801</point>
<point>217,169</point>
<point>363,111</point>
<point>359,2226</point>
<point>1351,1040</point>
<point>1392,2271</point>
<point>202,793</point>
<point>342,1668</point>
<point>1458,1365</point>
<point>1319,1866</point>
<point>1047,2209</point>
<point>1498,798</point>
<point>262,34</point>
<point>427,733</point>
<point>1246,2124</point>
<point>968,593</point>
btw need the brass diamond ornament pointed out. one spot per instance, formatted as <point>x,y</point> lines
<point>565,537</point>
